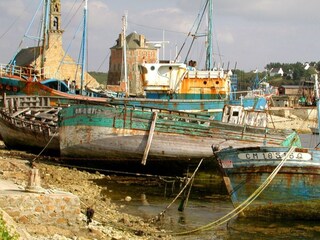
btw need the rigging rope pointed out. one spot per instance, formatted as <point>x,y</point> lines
<point>185,186</point>
<point>246,203</point>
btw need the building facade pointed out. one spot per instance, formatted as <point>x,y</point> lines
<point>138,51</point>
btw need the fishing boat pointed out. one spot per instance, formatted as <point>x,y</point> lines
<point>273,182</point>
<point>181,86</point>
<point>207,90</point>
<point>126,133</point>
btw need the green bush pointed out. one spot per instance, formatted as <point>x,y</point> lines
<point>4,233</point>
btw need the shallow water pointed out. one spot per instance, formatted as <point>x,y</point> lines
<point>203,207</point>
<point>207,202</point>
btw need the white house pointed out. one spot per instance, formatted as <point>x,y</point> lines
<point>276,71</point>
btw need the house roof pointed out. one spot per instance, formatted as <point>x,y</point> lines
<point>27,55</point>
<point>275,70</point>
<point>133,42</point>
<point>290,86</point>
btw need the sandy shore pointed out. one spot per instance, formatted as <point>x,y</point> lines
<point>108,221</point>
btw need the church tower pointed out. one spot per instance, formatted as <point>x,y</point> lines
<point>55,31</point>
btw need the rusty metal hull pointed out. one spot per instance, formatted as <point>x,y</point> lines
<point>293,193</point>
<point>13,85</point>
<point>123,133</point>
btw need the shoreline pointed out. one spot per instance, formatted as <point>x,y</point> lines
<point>108,222</point>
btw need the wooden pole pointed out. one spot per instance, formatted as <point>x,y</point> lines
<point>150,137</point>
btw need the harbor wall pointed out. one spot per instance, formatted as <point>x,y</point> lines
<point>304,113</point>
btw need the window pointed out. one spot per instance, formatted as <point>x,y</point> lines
<point>56,8</point>
<point>55,23</point>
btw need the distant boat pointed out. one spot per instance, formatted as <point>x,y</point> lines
<point>125,133</point>
<point>277,182</point>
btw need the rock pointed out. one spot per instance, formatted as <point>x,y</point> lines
<point>128,199</point>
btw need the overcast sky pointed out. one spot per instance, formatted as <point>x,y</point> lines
<point>249,33</point>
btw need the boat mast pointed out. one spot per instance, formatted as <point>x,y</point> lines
<point>84,44</point>
<point>124,26</point>
<point>209,58</point>
<point>45,31</point>
<point>316,85</point>
<point>195,35</point>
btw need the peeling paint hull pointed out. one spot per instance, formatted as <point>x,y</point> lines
<point>122,134</point>
<point>294,193</point>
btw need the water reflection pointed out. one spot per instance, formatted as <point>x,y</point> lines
<point>144,200</point>
<point>203,207</point>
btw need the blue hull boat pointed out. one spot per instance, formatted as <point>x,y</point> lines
<point>293,192</point>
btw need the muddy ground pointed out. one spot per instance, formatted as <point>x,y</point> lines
<point>109,222</point>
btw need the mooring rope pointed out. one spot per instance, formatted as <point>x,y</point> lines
<point>182,190</point>
<point>246,203</point>
<point>45,147</point>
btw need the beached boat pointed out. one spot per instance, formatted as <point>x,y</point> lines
<point>293,192</point>
<point>125,133</point>
<point>278,182</point>
<point>30,123</point>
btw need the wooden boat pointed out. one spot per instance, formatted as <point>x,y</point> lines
<point>278,182</point>
<point>30,123</point>
<point>293,193</point>
<point>125,133</point>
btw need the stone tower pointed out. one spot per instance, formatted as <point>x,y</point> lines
<point>52,61</point>
<point>68,68</point>
<point>55,31</point>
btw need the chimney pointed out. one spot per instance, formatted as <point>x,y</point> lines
<point>142,41</point>
<point>120,40</point>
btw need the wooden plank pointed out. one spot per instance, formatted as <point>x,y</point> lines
<point>150,137</point>
<point>19,112</point>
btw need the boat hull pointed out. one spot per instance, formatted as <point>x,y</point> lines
<point>31,137</point>
<point>293,193</point>
<point>121,133</point>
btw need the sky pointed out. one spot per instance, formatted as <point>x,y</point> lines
<point>248,34</point>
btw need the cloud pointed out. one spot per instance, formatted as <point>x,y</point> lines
<point>251,32</point>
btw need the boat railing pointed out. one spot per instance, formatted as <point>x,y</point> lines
<point>205,74</point>
<point>15,102</point>
<point>47,129</point>
<point>198,125</point>
<point>27,72</point>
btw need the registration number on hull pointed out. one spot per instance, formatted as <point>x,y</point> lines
<point>274,156</point>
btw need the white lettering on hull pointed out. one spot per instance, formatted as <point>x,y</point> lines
<point>274,156</point>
